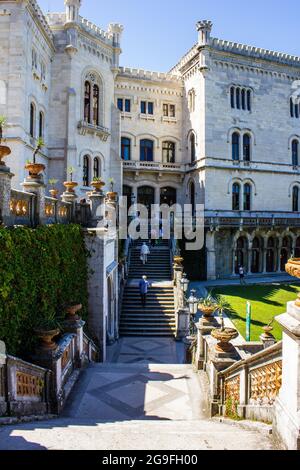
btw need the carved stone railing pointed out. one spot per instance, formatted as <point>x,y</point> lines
<point>63,212</point>
<point>50,210</point>
<point>90,350</point>
<point>85,128</point>
<point>22,207</point>
<point>153,166</point>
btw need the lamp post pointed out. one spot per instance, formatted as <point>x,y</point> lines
<point>193,302</point>
<point>184,282</point>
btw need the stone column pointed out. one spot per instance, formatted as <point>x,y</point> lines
<point>36,186</point>
<point>264,263</point>
<point>204,328</point>
<point>70,197</point>
<point>97,205</point>
<point>286,424</point>
<point>182,323</point>
<point>211,256</point>
<point>76,327</point>
<point>5,191</point>
<point>249,260</point>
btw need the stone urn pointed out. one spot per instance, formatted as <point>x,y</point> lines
<point>112,196</point>
<point>224,336</point>
<point>97,185</point>
<point>70,186</point>
<point>72,312</point>
<point>178,260</point>
<point>4,152</point>
<point>293,269</point>
<point>54,193</point>
<point>35,169</point>
<point>268,331</point>
<point>207,310</point>
<point>46,338</point>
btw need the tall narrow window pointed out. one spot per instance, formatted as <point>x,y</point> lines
<point>86,171</point>
<point>296,111</point>
<point>246,147</point>
<point>165,110</point>
<point>236,197</point>
<point>96,168</point>
<point>193,147</point>
<point>232,100</point>
<point>292,107</point>
<point>87,102</point>
<point>120,104</point>
<point>247,197</point>
<point>295,152</point>
<point>146,150</point>
<point>143,107</point>
<point>41,125</point>
<point>168,152</point>
<point>243,99</point>
<point>125,148</point>
<point>127,106</point>
<point>193,198</point>
<point>235,146</point>
<point>32,120</point>
<point>172,110</point>
<point>249,100</point>
<point>150,107</point>
<point>96,105</point>
<point>238,98</point>
<point>295,199</point>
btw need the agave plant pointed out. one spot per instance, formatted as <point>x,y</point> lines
<point>39,144</point>
<point>222,307</point>
<point>208,301</point>
<point>53,182</point>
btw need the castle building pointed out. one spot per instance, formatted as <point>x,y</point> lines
<point>221,128</point>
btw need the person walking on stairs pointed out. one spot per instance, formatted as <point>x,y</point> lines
<point>144,253</point>
<point>144,286</point>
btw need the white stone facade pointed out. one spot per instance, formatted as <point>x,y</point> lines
<point>45,61</point>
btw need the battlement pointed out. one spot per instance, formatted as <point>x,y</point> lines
<point>95,30</point>
<point>149,75</point>
<point>41,18</point>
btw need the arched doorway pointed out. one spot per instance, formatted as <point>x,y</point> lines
<point>285,252</point>
<point>271,258</point>
<point>146,196</point>
<point>168,196</point>
<point>256,255</point>
<point>241,253</point>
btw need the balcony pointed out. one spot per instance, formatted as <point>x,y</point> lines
<point>85,128</point>
<point>160,167</point>
<point>259,219</point>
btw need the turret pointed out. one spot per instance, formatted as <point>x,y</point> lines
<point>116,31</point>
<point>72,10</point>
<point>204,28</point>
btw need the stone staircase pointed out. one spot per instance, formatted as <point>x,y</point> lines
<point>158,317</point>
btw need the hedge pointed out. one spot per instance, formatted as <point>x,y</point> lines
<point>42,270</point>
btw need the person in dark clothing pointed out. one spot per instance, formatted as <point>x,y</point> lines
<point>144,286</point>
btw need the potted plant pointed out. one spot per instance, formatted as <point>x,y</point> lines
<point>222,334</point>
<point>46,329</point>
<point>208,305</point>
<point>72,310</point>
<point>97,184</point>
<point>35,169</point>
<point>70,184</point>
<point>53,191</point>
<point>4,150</point>
<point>111,194</point>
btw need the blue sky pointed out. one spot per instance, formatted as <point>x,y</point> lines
<point>158,32</point>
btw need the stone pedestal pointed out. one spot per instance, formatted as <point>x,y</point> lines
<point>35,185</point>
<point>5,191</point>
<point>204,328</point>
<point>267,340</point>
<point>182,323</point>
<point>287,408</point>
<point>71,197</point>
<point>97,205</point>
<point>76,327</point>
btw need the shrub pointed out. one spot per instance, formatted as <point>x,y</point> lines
<point>42,270</point>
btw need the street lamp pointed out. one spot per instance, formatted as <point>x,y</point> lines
<point>184,283</point>
<point>193,308</point>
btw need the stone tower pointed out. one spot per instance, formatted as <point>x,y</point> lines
<point>204,28</point>
<point>72,10</point>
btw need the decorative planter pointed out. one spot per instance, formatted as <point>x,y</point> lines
<point>54,193</point>
<point>4,151</point>
<point>97,185</point>
<point>35,169</point>
<point>70,185</point>
<point>267,331</point>
<point>46,338</point>
<point>72,312</point>
<point>293,269</point>
<point>207,311</point>
<point>224,337</point>
<point>178,260</point>
<point>112,196</point>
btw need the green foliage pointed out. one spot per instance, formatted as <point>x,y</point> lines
<point>53,182</point>
<point>231,409</point>
<point>42,271</point>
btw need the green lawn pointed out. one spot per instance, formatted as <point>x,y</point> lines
<point>267,301</point>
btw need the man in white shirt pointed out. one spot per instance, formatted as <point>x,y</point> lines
<point>144,253</point>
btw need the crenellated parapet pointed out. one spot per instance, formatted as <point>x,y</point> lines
<point>149,75</point>
<point>40,17</point>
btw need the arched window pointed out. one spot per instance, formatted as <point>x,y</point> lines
<point>125,148</point>
<point>41,125</point>
<point>248,100</point>
<point>236,189</point>
<point>96,105</point>
<point>292,107</point>
<point>238,98</point>
<point>235,146</point>
<point>243,99</point>
<point>271,264</point>
<point>146,150</point>
<point>96,168</point>
<point>232,100</point>
<point>241,253</point>
<point>295,152</point>
<point>246,147</point>
<point>168,152</point>
<point>295,199</point>
<point>193,147</point>
<point>87,102</point>
<point>256,256</point>
<point>296,111</point>
<point>193,197</point>
<point>32,120</point>
<point>247,197</point>
<point>86,170</point>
